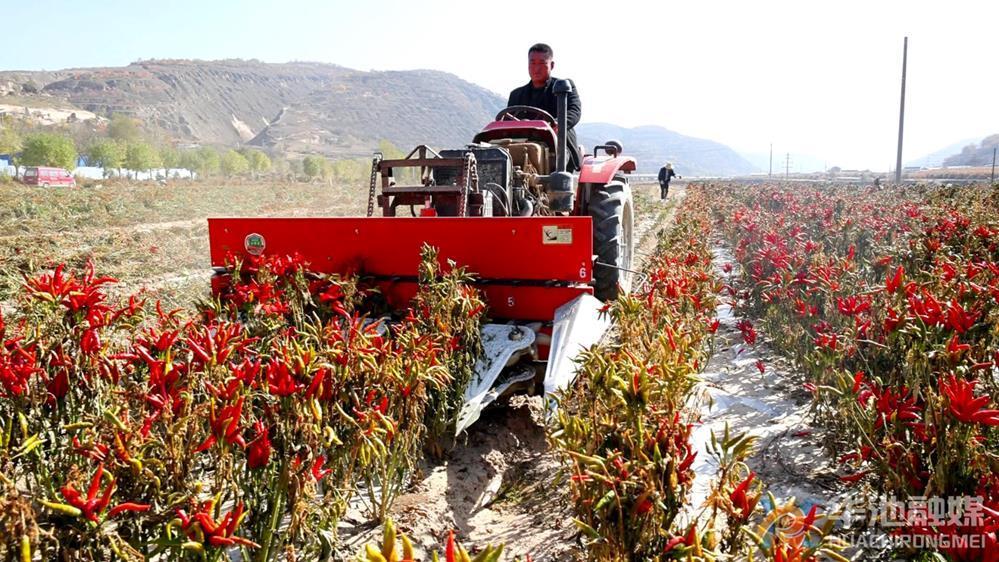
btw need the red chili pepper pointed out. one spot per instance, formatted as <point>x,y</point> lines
<point>258,452</point>
<point>224,426</point>
<point>280,379</point>
<point>856,477</point>
<point>94,505</point>
<point>219,534</point>
<point>318,472</point>
<point>853,305</point>
<point>643,507</point>
<point>687,462</point>
<point>127,506</point>
<point>450,553</point>
<point>741,499</point>
<point>748,332</point>
<point>673,543</point>
<point>959,319</point>
<point>964,406</point>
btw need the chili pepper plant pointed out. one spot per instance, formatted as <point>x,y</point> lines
<point>248,424</point>
<point>887,298</point>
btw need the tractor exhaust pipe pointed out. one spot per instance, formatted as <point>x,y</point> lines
<point>561,184</point>
<point>561,89</point>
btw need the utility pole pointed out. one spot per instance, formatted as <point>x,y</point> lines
<point>787,166</point>
<point>994,149</point>
<point>901,113</point>
<point>770,174</point>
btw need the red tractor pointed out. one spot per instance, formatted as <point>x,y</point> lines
<point>542,242</point>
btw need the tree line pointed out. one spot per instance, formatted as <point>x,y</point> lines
<point>125,145</point>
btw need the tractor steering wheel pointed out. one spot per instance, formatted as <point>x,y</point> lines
<point>525,112</point>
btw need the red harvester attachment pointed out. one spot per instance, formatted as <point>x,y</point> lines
<point>541,241</point>
<point>527,266</point>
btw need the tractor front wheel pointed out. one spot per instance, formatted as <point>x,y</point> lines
<point>611,209</point>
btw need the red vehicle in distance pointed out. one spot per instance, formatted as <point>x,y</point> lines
<point>46,177</point>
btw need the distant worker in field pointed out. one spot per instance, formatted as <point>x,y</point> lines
<point>666,173</point>
<point>539,93</point>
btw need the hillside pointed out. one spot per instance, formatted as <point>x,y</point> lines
<point>406,107</point>
<point>312,108</point>
<point>654,146</point>
<point>972,155</point>
<point>289,108</point>
<point>935,159</point>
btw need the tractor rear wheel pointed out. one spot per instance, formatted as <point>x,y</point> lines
<point>611,209</point>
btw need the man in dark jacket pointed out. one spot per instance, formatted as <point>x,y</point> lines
<point>538,93</point>
<point>666,173</point>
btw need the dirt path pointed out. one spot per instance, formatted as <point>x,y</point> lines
<point>495,487</point>
<point>651,215</point>
<point>771,405</point>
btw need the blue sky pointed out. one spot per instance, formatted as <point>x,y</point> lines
<point>116,32</point>
<point>816,77</point>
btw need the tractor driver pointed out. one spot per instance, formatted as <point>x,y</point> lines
<point>538,93</point>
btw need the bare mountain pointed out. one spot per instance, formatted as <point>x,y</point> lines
<point>654,146</point>
<point>219,102</point>
<point>935,159</point>
<point>290,108</point>
<point>972,155</point>
<point>406,107</point>
<point>312,108</point>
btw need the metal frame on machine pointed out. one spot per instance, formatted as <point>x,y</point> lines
<point>463,195</point>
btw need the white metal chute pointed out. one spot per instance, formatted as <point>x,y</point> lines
<point>579,324</point>
<point>499,344</point>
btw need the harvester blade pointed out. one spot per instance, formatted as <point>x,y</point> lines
<point>499,343</point>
